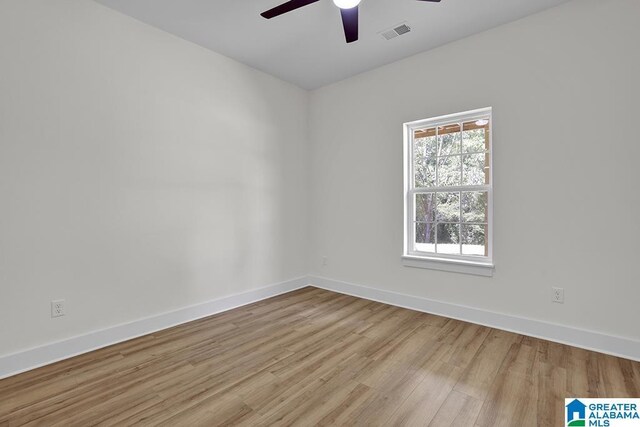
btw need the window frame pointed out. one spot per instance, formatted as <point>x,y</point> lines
<point>481,265</point>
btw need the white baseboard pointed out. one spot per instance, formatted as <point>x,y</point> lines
<point>26,360</point>
<point>589,340</point>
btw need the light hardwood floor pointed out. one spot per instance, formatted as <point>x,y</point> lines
<point>313,357</point>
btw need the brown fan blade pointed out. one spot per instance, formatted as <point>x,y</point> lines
<point>350,23</point>
<point>286,7</point>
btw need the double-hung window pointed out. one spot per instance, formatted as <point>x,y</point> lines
<point>448,179</point>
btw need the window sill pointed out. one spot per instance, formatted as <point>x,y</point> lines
<point>455,266</point>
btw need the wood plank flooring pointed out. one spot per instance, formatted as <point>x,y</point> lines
<point>313,357</point>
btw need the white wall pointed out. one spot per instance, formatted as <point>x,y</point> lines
<point>565,91</point>
<point>139,173</point>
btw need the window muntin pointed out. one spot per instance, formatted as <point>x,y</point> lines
<point>448,182</point>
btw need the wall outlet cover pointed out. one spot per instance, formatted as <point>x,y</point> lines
<point>558,295</point>
<point>57,308</point>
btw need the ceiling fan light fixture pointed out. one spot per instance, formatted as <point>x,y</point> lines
<point>346,4</point>
<point>348,11</point>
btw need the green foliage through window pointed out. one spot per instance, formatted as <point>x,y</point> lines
<point>450,175</point>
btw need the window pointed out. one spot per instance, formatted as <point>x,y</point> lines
<point>449,193</point>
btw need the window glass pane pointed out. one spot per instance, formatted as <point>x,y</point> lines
<point>475,136</point>
<point>448,139</point>
<point>425,207</point>
<point>475,169</point>
<point>449,171</point>
<point>424,133</point>
<point>474,239</point>
<point>474,206</point>
<point>425,237</point>
<point>424,157</point>
<point>448,238</point>
<point>448,207</point>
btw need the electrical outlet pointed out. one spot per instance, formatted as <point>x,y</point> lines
<point>558,295</point>
<point>325,261</point>
<point>57,308</point>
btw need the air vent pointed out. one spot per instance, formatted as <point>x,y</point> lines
<point>402,29</point>
<point>396,31</point>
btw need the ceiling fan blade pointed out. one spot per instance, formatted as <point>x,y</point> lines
<point>286,7</point>
<point>350,23</point>
<point>435,1</point>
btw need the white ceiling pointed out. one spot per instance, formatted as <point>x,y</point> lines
<point>306,47</point>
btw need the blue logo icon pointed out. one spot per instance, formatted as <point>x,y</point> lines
<point>576,413</point>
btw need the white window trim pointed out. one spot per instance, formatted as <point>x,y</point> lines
<point>482,266</point>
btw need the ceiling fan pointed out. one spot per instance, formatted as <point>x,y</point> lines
<point>348,10</point>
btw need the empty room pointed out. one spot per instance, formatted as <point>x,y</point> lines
<point>319,212</point>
